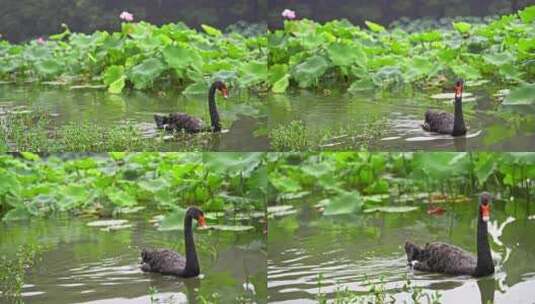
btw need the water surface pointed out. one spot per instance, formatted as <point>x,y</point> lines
<point>355,251</point>
<point>248,118</point>
<point>491,126</point>
<point>81,264</point>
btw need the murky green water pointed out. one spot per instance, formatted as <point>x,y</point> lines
<point>248,119</point>
<point>351,251</point>
<point>237,113</point>
<point>81,264</point>
<point>491,127</point>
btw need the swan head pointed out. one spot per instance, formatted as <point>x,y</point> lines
<point>222,88</point>
<point>198,215</point>
<point>484,206</point>
<point>459,88</point>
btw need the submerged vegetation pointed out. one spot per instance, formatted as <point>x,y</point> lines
<point>106,185</point>
<point>141,56</point>
<point>13,270</point>
<point>377,294</point>
<point>37,131</point>
<point>296,136</point>
<point>307,54</point>
<point>353,182</point>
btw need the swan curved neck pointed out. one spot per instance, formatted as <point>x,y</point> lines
<point>192,264</point>
<point>484,266</point>
<point>214,115</point>
<point>458,118</point>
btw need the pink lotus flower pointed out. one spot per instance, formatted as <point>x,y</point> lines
<point>126,16</point>
<point>40,40</point>
<point>288,14</point>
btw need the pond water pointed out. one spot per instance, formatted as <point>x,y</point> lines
<point>137,108</point>
<point>353,251</point>
<point>249,119</point>
<point>491,127</point>
<point>80,264</point>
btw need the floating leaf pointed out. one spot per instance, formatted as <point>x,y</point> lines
<point>391,209</point>
<point>235,228</point>
<point>282,210</point>
<point>450,96</point>
<point>107,223</point>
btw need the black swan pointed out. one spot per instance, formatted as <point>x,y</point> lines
<point>168,262</point>
<point>190,124</point>
<point>444,258</point>
<point>445,123</point>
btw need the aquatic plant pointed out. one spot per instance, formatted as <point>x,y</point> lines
<point>288,14</point>
<point>13,270</point>
<point>117,183</point>
<point>307,54</point>
<point>296,136</point>
<point>36,131</point>
<point>141,56</point>
<point>126,16</point>
<point>353,182</point>
<point>289,138</point>
<point>377,294</point>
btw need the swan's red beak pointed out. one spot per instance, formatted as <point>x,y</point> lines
<point>224,91</point>
<point>459,87</point>
<point>485,211</point>
<point>202,222</point>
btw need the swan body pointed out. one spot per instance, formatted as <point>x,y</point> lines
<point>180,121</point>
<point>447,123</point>
<point>167,261</point>
<point>185,122</point>
<point>440,257</point>
<point>449,259</point>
